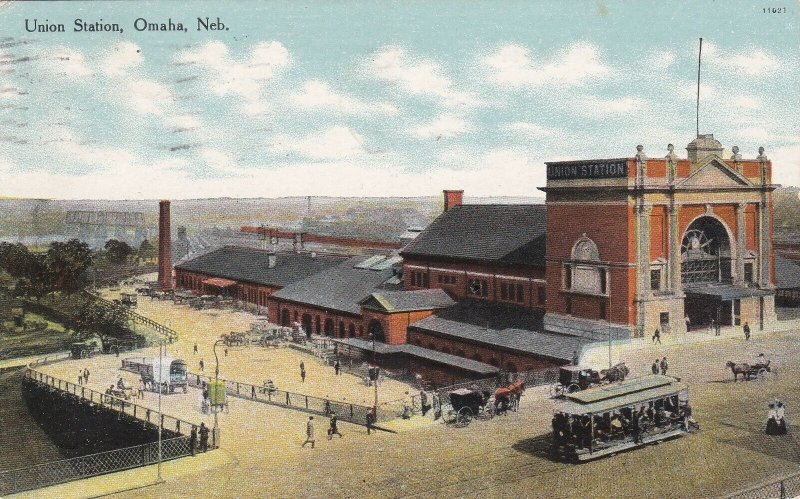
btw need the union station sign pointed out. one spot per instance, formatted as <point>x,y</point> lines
<point>595,169</point>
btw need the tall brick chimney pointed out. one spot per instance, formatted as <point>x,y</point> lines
<point>164,247</point>
<point>452,199</point>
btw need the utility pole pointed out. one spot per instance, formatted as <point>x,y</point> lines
<point>160,415</point>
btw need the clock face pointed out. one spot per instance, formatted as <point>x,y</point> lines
<point>475,287</point>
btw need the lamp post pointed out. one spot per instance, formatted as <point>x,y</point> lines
<point>609,330</point>
<point>216,381</point>
<point>160,416</point>
<point>375,406</point>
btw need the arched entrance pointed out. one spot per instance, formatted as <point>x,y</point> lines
<point>285,317</point>
<point>706,263</point>
<point>329,327</point>
<point>307,324</point>
<point>705,252</point>
<point>375,330</point>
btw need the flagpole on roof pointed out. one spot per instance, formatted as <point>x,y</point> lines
<point>699,55</point>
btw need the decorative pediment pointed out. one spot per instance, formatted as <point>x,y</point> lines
<point>714,174</point>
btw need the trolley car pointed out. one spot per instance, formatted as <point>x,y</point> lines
<point>611,418</point>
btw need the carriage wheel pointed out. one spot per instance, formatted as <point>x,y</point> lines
<point>762,374</point>
<point>463,417</point>
<point>450,417</point>
<point>556,390</point>
<point>573,388</point>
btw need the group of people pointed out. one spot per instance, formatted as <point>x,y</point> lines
<point>620,424</point>
<point>83,377</point>
<point>203,438</point>
<point>776,419</point>
<point>333,429</point>
<point>660,366</point>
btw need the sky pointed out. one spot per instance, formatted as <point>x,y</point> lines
<point>365,98</point>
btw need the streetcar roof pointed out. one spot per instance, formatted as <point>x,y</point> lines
<point>626,393</point>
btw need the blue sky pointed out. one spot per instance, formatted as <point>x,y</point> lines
<point>360,98</point>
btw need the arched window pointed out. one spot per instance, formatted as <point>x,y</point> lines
<point>584,275</point>
<point>706,252</point>
<point>306,321</point>
<point>341,329</point>
<point>329,327</point>
<point>585,250</point>
<point>317,325</point>
<point>351,330</point>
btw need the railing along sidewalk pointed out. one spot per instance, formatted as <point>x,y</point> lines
<point>345,411</point>
<point>77,468</point>
<point>788,486</point>
<point>110,401</point>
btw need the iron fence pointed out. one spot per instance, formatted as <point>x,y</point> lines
<point>67,470</point>
<point>785,487</point>
<point>345,411</point>
<point>530,378</point>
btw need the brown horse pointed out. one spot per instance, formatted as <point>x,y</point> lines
<point>737,369</point>
<point>616,373</point>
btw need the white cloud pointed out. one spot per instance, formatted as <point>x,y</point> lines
<point>592,106</point>
<point>416,77</point>
<point>689,91</point>
<point>786,163</point>
<point>244,78</point>
<point>442,127</point>
<point>317,94</point>
<point>512,67</point>
<point>531,130</point>
<point>751,62</point>
<point>661,59</point>
<point>121,57</point>
<point>147,97</point>
<point>746,102</point>
<point>333,143</point>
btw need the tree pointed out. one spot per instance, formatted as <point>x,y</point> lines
<point>147,250</point>
<point>67,265</point>
<point>93,320</point>
<point>118,251</point>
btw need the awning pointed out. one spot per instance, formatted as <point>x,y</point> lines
<point>219,282</point>
<point>724,292</point>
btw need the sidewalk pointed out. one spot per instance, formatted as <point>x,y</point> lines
<point>595,355</point>
<point>24,361</point>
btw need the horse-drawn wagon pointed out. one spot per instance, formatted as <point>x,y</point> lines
<point>167,373</point>
<point>467,404</point>
<point>575,378</point>
<point>760,369</point>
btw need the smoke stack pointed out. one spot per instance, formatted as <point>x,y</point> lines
<point>164,247</point>
<point>271,260</point>
<point>453,199</point>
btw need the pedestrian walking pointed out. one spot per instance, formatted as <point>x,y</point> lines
<point>336,367</point>
<point>423,402</point>
<point>202,365</point>
<point>654,367</point>
<point>664,366</point>
<point>334,429</point>
<point>253,392</point>
<point>203,437</point>
<point>657,336</point>
<point>636,425</point>
<point>688,323</point>
<point>195,348</point>
<point>575,358</point>
<point>309,432</point>
<point>370,421</point>
<point>193,439</point>
<point>80,378</point>
<point>711,327</point>
<point>226,351</point>
<point>302,372</point>
<point>717,328</point>
<point>85,376</point>
<point>746,331</point>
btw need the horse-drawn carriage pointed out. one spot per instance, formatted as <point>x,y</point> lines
<point>128,299</point>
<point>760,369</point>
<point>482,404</point>
<point>467,404</point>
<point>575,378</point>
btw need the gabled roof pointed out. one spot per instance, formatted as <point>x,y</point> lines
<point>714,172</point>
<point>407,301</point>
<point>340,287</point>
<point>787,273</point>
<point>507,327</point>
<point>252,265</point>
<point>508,234</point>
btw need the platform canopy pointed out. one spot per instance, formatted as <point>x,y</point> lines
<point>219,282</point>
